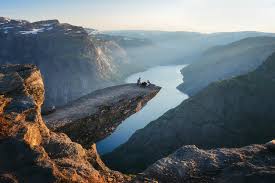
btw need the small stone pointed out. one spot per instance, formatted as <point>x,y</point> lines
<point>271,145</point>
<point>110,179</point>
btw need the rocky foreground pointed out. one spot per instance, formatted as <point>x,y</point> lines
<point>29,151</point>
<point>189,164</point>
<point>95,116</point>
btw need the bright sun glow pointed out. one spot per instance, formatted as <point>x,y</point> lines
<point>173,15</point>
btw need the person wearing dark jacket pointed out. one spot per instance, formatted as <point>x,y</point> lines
<point>138,81</point>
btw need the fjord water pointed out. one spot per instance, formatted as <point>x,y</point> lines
<point>168,77</point>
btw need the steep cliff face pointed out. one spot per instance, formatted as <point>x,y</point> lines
<point>225,62</point>
<point>95,116</point>
<point>72,65</point>
<point>29,151</point>
<point>110,51</point>
<point>122,49</point>
<point>230,113</point>
<point>189,164</point>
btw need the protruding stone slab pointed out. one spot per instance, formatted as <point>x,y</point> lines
<point>95,116</point>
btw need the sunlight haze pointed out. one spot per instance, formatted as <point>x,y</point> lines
<point>173,15</point>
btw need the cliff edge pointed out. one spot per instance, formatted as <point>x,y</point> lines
<point>29,151</point>
<point>95,116</point>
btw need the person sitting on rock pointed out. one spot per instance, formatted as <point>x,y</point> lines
<point>148,83</point>
<point>143,84</point>
<point>138,81</point>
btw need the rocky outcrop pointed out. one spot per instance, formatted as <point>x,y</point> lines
<point>189,164</point>
<point>229,113</point>
<point>226,61</point>
<point>71,63</point>
<point>95,116</point>
<point>29,151</point>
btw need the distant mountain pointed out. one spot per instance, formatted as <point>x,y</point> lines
<point>124,47</point>
<point>179,47</point>
<point>213,38</point>
<point>229,113</point>
<point>75,61</point>
<point>224,62</point>
<point>72,64</point>
<point>125,41</point>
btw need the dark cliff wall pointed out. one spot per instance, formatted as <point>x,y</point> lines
<point>228,113</point>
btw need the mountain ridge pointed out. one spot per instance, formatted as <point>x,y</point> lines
<point>227,61</point>
<point>72,65</point>
<point>229,113</point>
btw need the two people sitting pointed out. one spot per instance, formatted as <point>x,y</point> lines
<point>144,84</point>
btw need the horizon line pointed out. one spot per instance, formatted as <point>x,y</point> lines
<point>145,30</point>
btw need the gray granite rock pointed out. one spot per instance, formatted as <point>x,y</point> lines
<point>95,116</point>
<point>189,164</point>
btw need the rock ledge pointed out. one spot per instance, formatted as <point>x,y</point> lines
<point>29,151</point>
<point>95,116</point>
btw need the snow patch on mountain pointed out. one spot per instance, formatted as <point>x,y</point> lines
<point>33,31</point>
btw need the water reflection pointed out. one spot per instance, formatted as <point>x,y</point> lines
<point>168,77</point>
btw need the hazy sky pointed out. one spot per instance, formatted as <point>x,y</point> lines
<point>173,15</point>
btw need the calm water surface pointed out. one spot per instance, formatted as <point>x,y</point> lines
<point>168,77</point>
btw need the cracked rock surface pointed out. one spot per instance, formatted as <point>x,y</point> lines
<point>29,151</point>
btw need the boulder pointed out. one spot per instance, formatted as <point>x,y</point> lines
<point>189,164</point>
